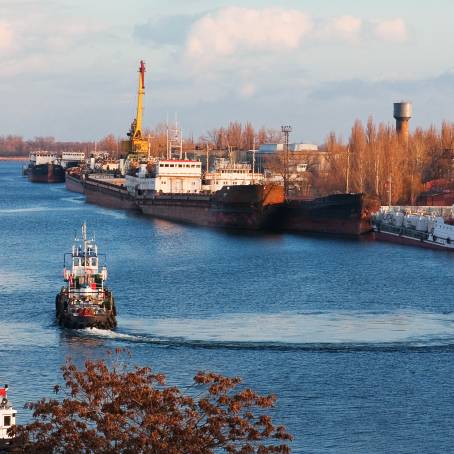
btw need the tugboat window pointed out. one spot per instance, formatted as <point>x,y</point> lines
<point>7,421</point>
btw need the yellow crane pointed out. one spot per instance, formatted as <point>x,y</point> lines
<point>137,145</point>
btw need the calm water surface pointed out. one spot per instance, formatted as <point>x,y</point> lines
<point>356,338</point>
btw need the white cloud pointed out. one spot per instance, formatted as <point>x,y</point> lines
<point>393,30</point>
<point>345,27</point>
<point>6,36</point>
<point>236,30</point>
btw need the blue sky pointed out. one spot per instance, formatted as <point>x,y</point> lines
<point>69,67</point>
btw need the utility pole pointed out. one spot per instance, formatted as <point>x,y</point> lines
<point>253,161</point>
<point>286,130</point>
<point>347,179</point>
<point>389,190</point>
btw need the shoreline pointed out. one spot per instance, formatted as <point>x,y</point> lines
<point>14,158</point>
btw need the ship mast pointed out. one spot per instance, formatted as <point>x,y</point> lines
<point>84,239</point>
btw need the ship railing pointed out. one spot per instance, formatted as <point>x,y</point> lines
<point>424,210</point>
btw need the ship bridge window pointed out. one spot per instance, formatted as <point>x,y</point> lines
<point>76,262</point>
<point>93,262</point>
<point>7,421</point>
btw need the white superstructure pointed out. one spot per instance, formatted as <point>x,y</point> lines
<point>72,157</point>
<point>85,276</point>
<point>167,176</point>
<point>184,176</point>
<point>227,173</point>
<point>42,157</point>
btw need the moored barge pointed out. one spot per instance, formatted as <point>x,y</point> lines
<point>340,214</point>
<point>425,227</point>
<point>44,167</point>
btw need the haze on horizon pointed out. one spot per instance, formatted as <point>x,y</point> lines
<point>69,67</point>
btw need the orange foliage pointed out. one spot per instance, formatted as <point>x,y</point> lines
<point>111,407</point>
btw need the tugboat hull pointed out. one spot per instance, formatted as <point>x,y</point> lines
<point>85,317</point>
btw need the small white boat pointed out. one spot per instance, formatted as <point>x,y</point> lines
<point>7,418</point>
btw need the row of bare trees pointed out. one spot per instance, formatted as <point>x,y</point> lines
<point>378,161</point>
<point>373,160</point>
<point>13,145</point>
<point>240,136</point>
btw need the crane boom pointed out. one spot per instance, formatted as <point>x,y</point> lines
<point>137,146</point>
<point>140,93</point>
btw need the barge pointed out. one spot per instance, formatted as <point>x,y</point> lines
<point>44,167</point>
<point>340,214</point>
<point>425,227</point>
<point>108,191</point>
<point>74,180</point>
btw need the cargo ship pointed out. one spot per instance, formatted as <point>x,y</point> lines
<point>250,207</point>
<point>44,167</point>
<point>425,227</point>
<point>7,420</point>
<point>227,197</point>
<point>339,214</point>
<point>85,301</point>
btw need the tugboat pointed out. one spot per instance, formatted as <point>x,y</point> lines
<point>7,419</point>
<point>85,302</point>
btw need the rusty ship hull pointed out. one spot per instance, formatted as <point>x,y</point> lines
<point>248,207</point>
<point>46,173</point>
<point>338,214</point>
<point>108,194</point>
<point>74,182</point>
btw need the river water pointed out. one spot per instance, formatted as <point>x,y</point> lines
<point>356,338</point>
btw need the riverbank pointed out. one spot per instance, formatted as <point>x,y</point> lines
<point>13,158</point>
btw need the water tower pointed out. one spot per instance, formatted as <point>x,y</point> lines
<point>402,114</point>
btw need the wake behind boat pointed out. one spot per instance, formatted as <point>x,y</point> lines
<point>85,302</point>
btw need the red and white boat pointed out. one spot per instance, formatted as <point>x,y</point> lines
<point>7,418</point>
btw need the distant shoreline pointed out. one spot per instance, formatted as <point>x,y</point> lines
<point>14,158</point>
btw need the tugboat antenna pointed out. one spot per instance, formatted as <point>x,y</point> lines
<point>84,231</point>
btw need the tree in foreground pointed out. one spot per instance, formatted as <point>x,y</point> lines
<point>110,407</point>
